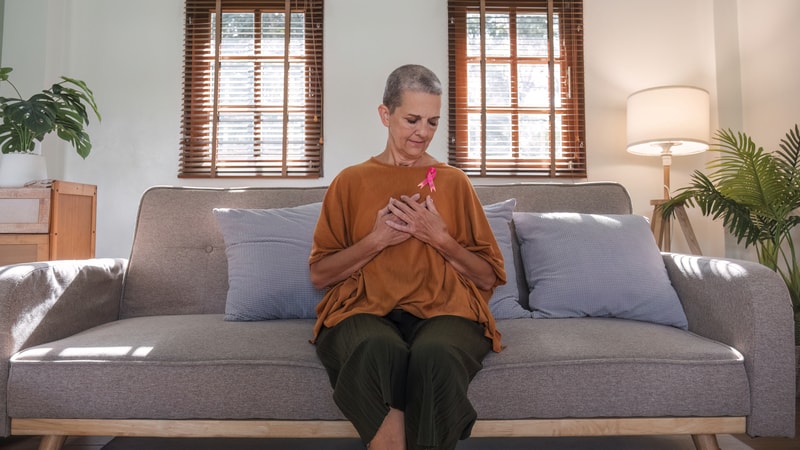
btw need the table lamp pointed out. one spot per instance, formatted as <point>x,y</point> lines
<point>668,121</point>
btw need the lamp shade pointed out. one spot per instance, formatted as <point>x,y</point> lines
<point>673,119</point>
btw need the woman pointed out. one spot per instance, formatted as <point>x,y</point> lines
<point>410,261</point>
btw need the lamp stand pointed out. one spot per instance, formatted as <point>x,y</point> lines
<point>661,227</point>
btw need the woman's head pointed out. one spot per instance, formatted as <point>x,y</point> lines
<point>409,78</point>
<point>411,108</point>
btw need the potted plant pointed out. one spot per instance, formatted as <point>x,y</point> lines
<point>63,109</point>
<point>757,195</point>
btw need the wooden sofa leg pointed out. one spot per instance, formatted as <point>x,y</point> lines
<point>52,442</point>
<point>705,441</point>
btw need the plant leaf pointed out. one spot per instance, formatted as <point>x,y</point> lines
<point>63,108</point>
<point>36,113</point>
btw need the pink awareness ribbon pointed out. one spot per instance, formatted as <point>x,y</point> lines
<point>429,179</point>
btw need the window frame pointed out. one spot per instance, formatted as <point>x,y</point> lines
<point>200,155</point>
<point>572,164</point>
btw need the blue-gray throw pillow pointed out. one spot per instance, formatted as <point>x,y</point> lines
<point>504,303</point>
<point>267,251</point>
<point>589,265</point>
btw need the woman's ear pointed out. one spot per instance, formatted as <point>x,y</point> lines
<point>383,112</point>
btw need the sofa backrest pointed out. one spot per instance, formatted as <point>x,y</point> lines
<point>178,264</point>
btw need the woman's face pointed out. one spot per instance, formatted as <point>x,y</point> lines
<point>411,125</point>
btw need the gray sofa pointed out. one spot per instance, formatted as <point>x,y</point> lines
<point>140,347</point>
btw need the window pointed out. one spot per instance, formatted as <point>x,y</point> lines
<point>252,99</point>
<point>516,88</point>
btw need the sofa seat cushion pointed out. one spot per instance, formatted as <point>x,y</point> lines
<point>605,367</point>
<point>175,367</point>
<point>203,367</point>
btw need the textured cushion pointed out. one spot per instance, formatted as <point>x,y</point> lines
<point>580,265</point>
<point>202,367</point>
<point>267,252</point>
<point>193,366</point>
<point>603,367</point>
<point>504,303</point>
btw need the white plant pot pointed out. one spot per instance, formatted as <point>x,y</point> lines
<point>17,169</point>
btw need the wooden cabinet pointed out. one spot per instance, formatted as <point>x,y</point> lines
<point>47,223</point>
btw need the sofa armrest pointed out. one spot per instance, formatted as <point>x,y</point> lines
<point>747,306</point>
<point>45,301</point>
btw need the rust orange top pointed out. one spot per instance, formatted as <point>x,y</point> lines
<point>412,276</point>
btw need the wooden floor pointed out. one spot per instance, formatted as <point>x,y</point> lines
<point>96,443</point>
<point>74,443</point>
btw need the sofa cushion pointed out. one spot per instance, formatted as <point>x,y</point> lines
<point>176,367</point>
<point>504,302</point>
<point>203,367</point>
<point>604,367</point>
<point>595,265</point>
<point>267,251</point>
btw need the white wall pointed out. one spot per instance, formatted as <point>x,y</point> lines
<point>2,11</point>
<point>632,45</point>
<point>770,45</point>
<point>130,54</point>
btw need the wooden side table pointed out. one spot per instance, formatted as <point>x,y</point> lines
<point>47,223</point>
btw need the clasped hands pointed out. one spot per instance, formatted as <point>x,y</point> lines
<point>407,217</point>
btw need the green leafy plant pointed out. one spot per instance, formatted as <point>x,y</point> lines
<point>62,108</point>
<point>756,194</point>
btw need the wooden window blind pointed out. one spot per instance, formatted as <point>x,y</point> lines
<point>516,94</point>
<point>252,99</point>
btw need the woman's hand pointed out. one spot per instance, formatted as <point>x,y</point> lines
<point>423,221</point>
<point>420,220</point>
<point>389,228</point>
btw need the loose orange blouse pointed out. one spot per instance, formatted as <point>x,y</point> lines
<point>411,276</point>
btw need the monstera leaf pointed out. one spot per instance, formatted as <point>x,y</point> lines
<point>61,109</point>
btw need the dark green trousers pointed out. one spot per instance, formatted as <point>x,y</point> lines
<point>422,367</point>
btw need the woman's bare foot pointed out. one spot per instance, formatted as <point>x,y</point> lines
<point>392,433</point>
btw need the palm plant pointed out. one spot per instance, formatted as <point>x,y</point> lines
<point>62,109</point>
<point>756,194</point>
